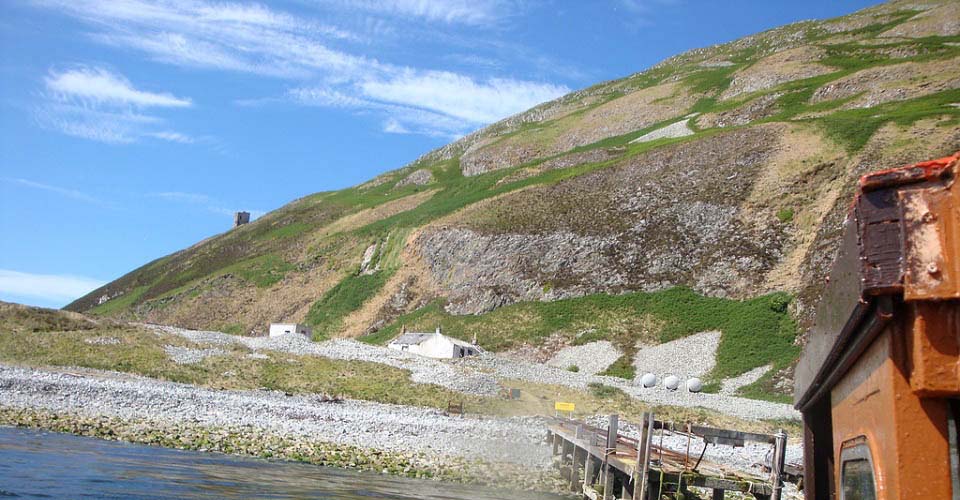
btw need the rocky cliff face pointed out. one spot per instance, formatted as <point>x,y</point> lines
<point>726,169</point>
<point>668,217</point>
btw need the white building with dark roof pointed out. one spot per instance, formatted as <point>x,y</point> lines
<point>278,329</point>
<point>433,345</point>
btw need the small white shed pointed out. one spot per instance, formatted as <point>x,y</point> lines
<point>433,345</point>
<point>278,329</point>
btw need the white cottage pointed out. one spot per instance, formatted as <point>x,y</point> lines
<point>278,329</point>
<point>433,345</point>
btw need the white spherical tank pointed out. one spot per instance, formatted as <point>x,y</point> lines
<point>694,385</point>
<point>648,380</point>
<point>671,382</point>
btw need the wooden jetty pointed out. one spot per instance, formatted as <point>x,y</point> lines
<point>606,465</point>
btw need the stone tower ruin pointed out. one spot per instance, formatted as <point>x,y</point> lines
<point>241,218</point>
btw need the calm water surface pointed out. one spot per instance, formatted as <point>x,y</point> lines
<point>36,464</point>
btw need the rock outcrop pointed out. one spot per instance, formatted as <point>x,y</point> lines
<point>670,217</point>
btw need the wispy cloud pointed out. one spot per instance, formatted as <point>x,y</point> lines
<point>640,11</point>
<point>460,96</point>
<point>473,60</point>
<point>102,86</point>
<point>636,6</point>
<point>183,197</point>
<point>220,35</point>
<point>472,12</point>
<point>66,192</point>
<point>646,6</point>
<point>112,126</point>
<point>436,103</point>
<point>259,40</point>
<point>319,96</point>
<point>393,126</point>
<point>51,288</point>
<point>203,201</point>
<point>398,119</point>
<point>168,135</point>
<point>416,121</point>
<point>97,104</point>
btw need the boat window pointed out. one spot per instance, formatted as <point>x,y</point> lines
<point>856,474</point>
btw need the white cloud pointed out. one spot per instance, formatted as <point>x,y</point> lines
<point>417,121</point>
<point>169,135</point>
<point>393,126</point>
<point>97,104</point>
<point>256,39</point>
<point>645,6</point>
<point>180,196</point>
<point>220,35</point>
<point>329,98</point>
<point>473,60</point>
<point>640,13</point>
<point>400,119</point>
<point>83,126</point>
<point>102,86</point>
<point>67,192</point>
<point>461,97</point>
<point>54,288</point>
<point>435,103</point>
<point>472,12</point>
<point>112,126</point>
<point>182,50</point>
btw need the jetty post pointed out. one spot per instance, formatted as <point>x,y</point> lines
<point>776,466</point>
<point>643,457</point>
<point>622,467</point>
<point>611,448</point>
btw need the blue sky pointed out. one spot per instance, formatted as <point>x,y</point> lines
<point>130,129</point>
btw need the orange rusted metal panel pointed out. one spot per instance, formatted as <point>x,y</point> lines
<point>923,460</point>
<point>933,346</point>
<point>861,408</point>
<point>918,172</point>
<point>931,233</point>
<point>905,433</point>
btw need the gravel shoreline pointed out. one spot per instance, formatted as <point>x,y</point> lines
<point>396,439</point>
<point>393,439</point>
<point>350,422</point>
<point>253,442</point>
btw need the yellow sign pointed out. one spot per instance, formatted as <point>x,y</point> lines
<point>563,406</point>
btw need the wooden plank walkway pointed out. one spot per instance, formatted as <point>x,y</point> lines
<point>603,465</point>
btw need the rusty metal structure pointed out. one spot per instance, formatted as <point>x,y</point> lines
<point>879,379</point>
<point>604,464</point>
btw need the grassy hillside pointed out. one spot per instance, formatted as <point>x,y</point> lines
<point>724,171</point>
<point>40,337</point>
<point>755,332</point>
<point>45,338</point>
